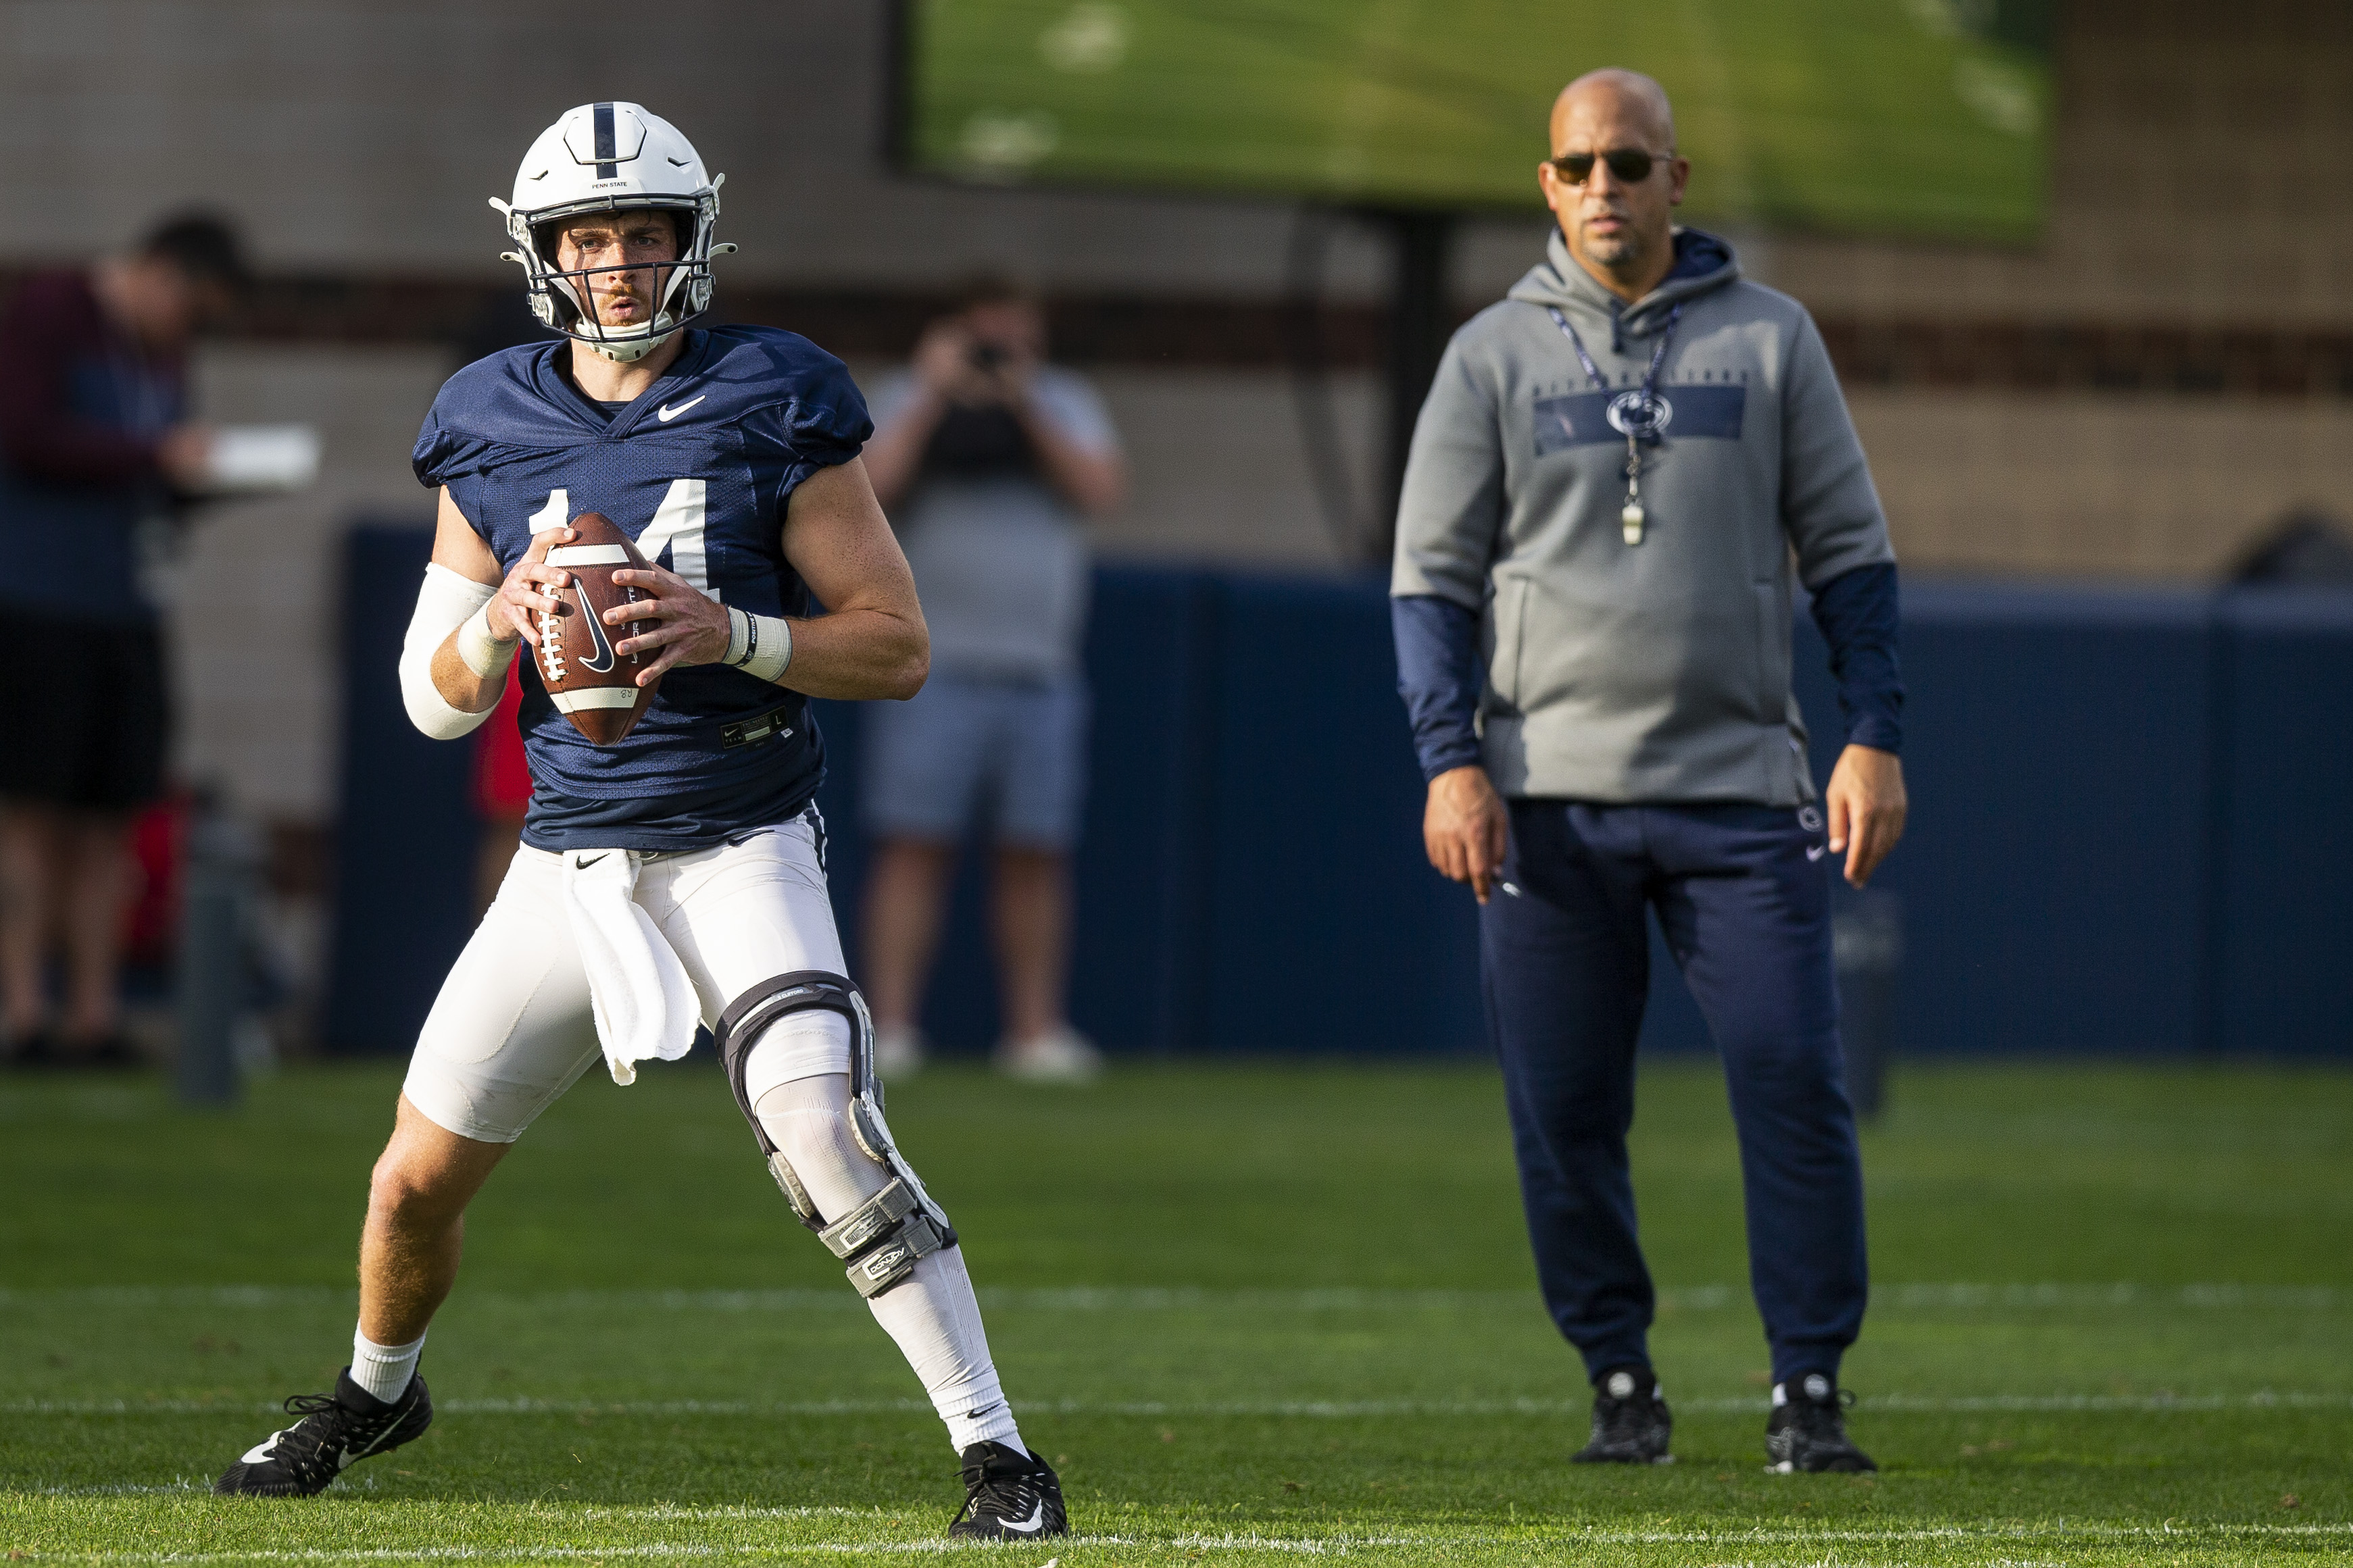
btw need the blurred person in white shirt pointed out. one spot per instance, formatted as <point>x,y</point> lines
<point>989,461</point>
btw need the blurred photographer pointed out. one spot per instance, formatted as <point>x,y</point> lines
<point>96,457</point>
<point>988,461</point>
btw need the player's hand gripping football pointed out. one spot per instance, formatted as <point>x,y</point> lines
<point>522,598</point>
<point>1465,829</point>
<point>693,626</point>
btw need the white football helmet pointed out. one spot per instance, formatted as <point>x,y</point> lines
<point>610,157</point>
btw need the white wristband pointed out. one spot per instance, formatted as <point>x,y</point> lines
<point>773,654</point>
<point>481,652</point>
<point>759,645</point>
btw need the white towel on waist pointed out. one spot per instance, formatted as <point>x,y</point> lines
<point>645,1005</point>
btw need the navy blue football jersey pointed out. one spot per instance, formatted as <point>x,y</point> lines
<point>698,471</point>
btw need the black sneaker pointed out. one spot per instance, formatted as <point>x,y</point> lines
<point>1807,1432</point>
<point>1630,1421</point>
<point>336,1428</point>
<point>1009,1496</point>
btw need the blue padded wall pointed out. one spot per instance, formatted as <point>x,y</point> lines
<point>1327,931</point>
<point>406,843</point>
<point>2053,875</point>
<point>2130,830</point>
<point>2284,840</point>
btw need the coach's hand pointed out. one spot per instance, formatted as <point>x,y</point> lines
<point>1866,806</point>
<point>1466,827</point>
<point>515,612</point>
<point>693,626</point>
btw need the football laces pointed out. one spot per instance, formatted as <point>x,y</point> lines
<point>551,644</point>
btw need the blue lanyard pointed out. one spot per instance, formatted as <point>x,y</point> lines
<point>1641,413</point>
<point>1636,414</point>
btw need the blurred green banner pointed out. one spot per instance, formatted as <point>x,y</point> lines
<point>1923,118</point>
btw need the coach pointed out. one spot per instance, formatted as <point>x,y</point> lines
<point>1591,599</point>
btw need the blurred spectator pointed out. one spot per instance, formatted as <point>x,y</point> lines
<point>95,457</point>
<point>987,460</point>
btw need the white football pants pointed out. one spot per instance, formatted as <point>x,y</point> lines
<point>512,1029</point>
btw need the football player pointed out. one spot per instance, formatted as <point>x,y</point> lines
<point>679,872</point>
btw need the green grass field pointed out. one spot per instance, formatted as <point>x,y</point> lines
<point>1910,117</point>
<point>1254,1312</point>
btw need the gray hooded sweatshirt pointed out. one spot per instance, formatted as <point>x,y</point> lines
<point>1656,672</point>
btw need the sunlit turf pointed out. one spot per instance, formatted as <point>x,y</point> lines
<point>1252,1311</point>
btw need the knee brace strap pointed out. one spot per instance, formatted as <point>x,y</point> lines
<point>883,1238</point>
<point>804,990</point>
<point>740,1027</point>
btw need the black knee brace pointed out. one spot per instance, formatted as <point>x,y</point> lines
<point>883,1238</point>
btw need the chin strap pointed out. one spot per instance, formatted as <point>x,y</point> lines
<point>635,349</point>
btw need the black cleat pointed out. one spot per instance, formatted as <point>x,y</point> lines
<point>1807,1432</point>
<point>1630,1421</point>
<point>335,1429</point>
<point>1009,1496</point>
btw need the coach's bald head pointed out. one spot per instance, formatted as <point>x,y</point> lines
<point>1624,97</point>
<point>1619,229</point>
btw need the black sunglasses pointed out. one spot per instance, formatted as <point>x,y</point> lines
<point>1629,166</point>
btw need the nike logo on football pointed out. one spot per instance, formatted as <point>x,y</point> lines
<point>1033,1524</point>
<point>667,412</point>
<point>602,659</point>
<point>1816,851</point>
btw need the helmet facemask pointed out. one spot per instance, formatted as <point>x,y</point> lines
<point>560,296</point>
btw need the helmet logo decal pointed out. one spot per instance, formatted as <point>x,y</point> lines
<point>606,167</point>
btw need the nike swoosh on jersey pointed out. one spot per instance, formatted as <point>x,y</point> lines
<point>1816,851</point>
<point>1034,1523</point>
<point>667,412</point>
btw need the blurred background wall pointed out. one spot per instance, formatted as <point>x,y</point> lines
<point>2138,397</point>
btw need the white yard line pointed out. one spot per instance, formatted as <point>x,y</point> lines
<point>1894,1403</point>
<point>2087,1534</point>
<point>1954,1295</point>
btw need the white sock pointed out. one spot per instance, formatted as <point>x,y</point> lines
<point>383,1370</point>
<point>933,1315</point>
<point>937,1324</point>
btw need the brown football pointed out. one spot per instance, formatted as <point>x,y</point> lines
<point>594,687</point>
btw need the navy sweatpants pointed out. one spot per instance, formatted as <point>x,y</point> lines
<point>1743,895</point>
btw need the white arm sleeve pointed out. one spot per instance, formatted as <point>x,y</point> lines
<point>443,601</point>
